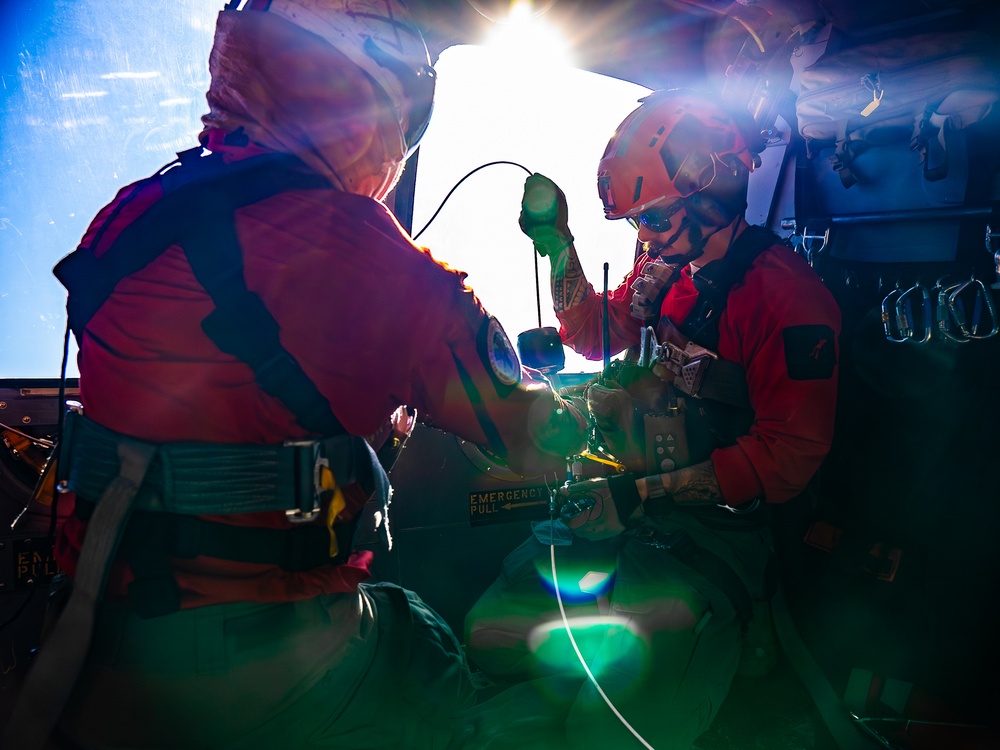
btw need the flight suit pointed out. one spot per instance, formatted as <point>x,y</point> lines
<point>679,582</point>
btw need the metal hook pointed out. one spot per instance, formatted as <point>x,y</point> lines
<point>888,318</point>
<point>984,297</point>
<point>956,307</point>
<point>808,247</point>
<point>904,314</point>
<point>943,317</point>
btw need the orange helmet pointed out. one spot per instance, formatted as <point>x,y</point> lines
<point>670,148</point>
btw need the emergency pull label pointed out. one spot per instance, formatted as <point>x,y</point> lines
<point>34,563</point>
<point>507,505</point>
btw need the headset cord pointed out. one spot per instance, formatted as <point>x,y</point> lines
<point>583,661</point>
<point>467,176</point>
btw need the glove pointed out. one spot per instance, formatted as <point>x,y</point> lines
<point>589,510</point>
<point>544,215</point>
<point>612,409</point>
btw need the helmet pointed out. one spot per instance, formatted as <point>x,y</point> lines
<point>382,39</point>
<point>670,148</point>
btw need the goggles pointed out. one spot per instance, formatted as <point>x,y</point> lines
<point>656,219</point>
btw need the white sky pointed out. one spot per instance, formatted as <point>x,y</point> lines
<point>552,119</point>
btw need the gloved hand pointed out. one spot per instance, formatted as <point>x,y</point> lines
<point>589,510</point>
<point>612,408</point>
<point>544,215</point>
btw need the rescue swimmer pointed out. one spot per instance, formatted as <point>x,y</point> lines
<point>731,413</point>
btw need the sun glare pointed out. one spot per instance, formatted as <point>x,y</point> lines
<point>528,39</point>
<point>549,118</point>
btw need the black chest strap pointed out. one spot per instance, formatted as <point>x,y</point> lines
<point>716,279</point>
<point>200,197</point>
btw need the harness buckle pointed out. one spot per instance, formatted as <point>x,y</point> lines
<point>309,463</point>
<point>690,364</point>
<point>653,537</point>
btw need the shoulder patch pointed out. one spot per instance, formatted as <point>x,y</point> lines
<point>810,352</point>
<point>499,356</point>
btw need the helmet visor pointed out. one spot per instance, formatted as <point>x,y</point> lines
<point>418,87</point>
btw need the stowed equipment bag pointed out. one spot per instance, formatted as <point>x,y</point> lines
<point>922,88</point>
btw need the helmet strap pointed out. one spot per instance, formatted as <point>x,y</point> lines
<point>694,235</point>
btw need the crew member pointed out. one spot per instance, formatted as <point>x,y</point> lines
<point>739,338</point>
<point>246,317</point>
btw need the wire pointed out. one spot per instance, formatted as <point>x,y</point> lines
<point>467,176</point>
<point>583,662</point>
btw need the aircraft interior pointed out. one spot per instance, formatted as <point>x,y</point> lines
<point>882,629</point>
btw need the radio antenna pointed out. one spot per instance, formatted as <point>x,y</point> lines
<point>605,324</point>
<point>538,290</point>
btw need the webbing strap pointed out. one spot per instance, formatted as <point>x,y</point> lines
<point>57,667</point>
<point>716,279</point>
<point>726,381</point>
<point>240,325</point>
<point>212,478</point>
<point>707,564</point>
<point>625,494</point>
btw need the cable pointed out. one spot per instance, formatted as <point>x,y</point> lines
<point>467,176</point>
<point>583,662</point>
<point>538,291</point>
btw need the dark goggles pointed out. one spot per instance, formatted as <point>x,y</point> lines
<point>656,219</point>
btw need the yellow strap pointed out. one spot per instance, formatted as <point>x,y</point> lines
<point>329,484</point>
<point>620,467</point>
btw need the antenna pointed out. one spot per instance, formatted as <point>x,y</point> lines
<point>605,323</point>
<point>538,291</point>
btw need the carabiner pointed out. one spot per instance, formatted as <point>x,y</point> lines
<point>943,316</point>
<point>905,317</point>
<point>808,247</point>
<point>984,298</point>
<point>889,317</point>
<point>956,307</point>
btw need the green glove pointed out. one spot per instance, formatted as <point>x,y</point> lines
<point>544,215</point>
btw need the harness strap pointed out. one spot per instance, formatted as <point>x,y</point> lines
<point>240,325</point>
<point>625,495</point>
<point>296,549</point>
<point>185,479</point>
<point>710,566</point>
<point>58,665</point>
<point>212,478</point>
<point>726,381</point>
<point>723,379</point>
<point>152,538</point>
<point>716,279</point>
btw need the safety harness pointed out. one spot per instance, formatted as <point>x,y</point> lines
<point>188,479</point>
<point>167,484</point>
<point>723,402</point>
